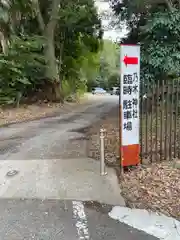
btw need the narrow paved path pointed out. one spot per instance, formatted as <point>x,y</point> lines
<point>33,203</point>
<point>47,138</point>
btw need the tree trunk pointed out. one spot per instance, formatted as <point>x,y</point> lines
<point>52,67</point>
<point>51,70</point>
<point>4,43</point>
<point>48,30</point>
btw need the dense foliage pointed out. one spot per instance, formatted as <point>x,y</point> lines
<point>108,74</point>
<point>50,51</point>
<point>154,25</point>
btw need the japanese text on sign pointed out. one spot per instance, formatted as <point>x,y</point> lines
<point>130,73</point>
<point>130,106</point>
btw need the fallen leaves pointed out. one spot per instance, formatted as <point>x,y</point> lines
<point>33,111</point>
<point>154,187</point>
<point>27,112</point>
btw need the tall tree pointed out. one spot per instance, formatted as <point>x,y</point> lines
<point>47,21</point>
<point>68,35</point>
<point>153,24</point>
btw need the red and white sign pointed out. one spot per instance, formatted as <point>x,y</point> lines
<point>129,98</point>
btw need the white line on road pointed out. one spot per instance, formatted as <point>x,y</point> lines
<point>157,225</point>
<point>81,220</point>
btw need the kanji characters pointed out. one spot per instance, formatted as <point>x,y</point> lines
<point>128,79</point>
<point>127,104</point>
<point>130,104</point>
<point>128,126</point>
<point>127,115</point>
<point>127,90</point>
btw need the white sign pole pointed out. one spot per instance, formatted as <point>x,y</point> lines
<point>129,100</point>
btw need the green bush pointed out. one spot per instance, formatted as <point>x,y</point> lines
<point>20,70</point>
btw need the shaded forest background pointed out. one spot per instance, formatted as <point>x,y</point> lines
<point>52,51</point>
<point>55,51</point>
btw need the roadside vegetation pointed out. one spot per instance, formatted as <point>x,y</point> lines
<point>51,52</point>
<point>153,24</point>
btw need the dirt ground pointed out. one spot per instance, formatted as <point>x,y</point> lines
<point>153,186</point>
<point>35,111</point>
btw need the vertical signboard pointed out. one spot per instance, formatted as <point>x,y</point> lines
<point>129,100</point>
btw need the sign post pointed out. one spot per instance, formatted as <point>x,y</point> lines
<point>129,104</point>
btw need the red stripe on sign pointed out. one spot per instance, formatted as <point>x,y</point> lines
<point>130,155</point>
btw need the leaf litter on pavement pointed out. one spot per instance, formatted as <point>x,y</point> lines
<point>33,111</point>
<point>153,187</point>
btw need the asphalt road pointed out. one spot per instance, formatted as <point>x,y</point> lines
<point>47,138</point>
<point>54,220</point>
<point>43,219</point>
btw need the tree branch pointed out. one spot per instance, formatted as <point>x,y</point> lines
<point>169,5</point>
<point>39,15</point>
<point>179,3</point>
<point>54,14</point>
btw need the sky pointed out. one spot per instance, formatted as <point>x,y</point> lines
<point>114,35</point>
